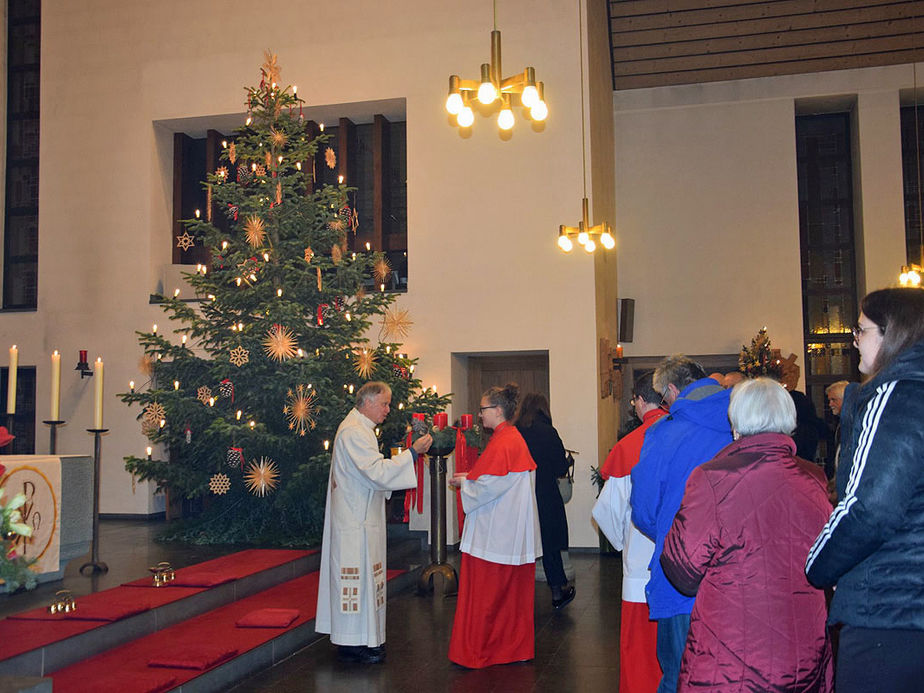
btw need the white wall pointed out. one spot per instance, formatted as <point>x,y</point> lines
<point>482,212</point>
<point>707,205</point>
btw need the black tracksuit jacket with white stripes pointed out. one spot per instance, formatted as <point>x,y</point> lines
<point>872,547</point>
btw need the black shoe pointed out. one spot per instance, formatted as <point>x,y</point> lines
<point>567,596</point>
<point>373,655</point>
<point>350,653</point>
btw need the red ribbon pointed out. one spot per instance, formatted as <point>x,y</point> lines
<point>321,308</point>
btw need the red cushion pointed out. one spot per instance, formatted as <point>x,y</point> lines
<point>137,682</point>
<point>268,618</point>
<point>204,657</point>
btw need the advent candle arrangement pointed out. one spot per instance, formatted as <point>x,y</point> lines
<point>11,381</point>
<point>98,402</point>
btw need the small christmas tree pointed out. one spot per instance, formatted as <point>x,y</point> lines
<point>759,359</point>
<point>248,386</point>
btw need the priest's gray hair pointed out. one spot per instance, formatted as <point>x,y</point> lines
<point>761,405</point>
<point>369,391</point>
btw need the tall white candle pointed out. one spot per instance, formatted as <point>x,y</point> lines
<point>55,385</point>
<point>11,381</point>
<point>98,408</point>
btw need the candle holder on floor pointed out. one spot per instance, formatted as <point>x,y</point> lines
<point>95,565</point>
<point>438,562</point>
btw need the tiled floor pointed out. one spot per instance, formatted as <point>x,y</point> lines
<point>576,648</point>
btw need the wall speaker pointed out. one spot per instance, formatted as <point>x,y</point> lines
<point>626,319</point>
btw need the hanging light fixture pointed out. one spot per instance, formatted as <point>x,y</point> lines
<point>911,273</point>
<point>584,234</point>
<point>494,90</point>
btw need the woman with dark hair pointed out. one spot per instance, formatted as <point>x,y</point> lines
<point>497,581</point>
<point>534,422</point>
<point>872,547</point>
<point>737,541</point>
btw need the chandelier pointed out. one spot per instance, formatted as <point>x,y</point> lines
<point>586,235</point>
<point>495,92</point>
<point>910,276</point>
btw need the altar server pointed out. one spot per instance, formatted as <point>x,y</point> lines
<point>351,590</point>
<point>494,613</point>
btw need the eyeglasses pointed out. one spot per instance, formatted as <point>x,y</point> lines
<point>490,406</point>
<point>858,330</point>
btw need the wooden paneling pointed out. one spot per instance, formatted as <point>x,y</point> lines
<point>530,372</point>
<point>667,42</point>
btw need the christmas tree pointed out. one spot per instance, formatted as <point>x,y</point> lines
<point>249,382</point>
<point>760,359</point>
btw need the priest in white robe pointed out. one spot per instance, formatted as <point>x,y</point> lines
<point>351,590</point>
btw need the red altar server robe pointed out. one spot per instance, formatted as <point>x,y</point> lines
<point>639,671</point>
<point>500,543</point>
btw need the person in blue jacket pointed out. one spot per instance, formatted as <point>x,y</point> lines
<point>872,547</point>
<point>696,429</point>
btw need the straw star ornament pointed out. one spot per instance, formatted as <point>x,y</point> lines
<point>255,231</point>
<point>364,363</point>
<point>300,409</point>
<point>262,477</point>
<point>397,324</point>
<point>279,343</point>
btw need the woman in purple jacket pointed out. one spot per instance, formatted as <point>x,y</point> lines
<point>737,543</point>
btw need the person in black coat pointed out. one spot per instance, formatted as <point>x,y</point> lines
<point>535,425</point>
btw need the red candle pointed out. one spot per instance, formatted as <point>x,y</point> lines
<point>466,422</point>
<point>619,351</point>
<point>441,420</point>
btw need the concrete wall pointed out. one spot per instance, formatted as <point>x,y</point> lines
<point>707,204</point>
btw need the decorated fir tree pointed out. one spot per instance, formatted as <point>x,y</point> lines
<point>759,359</point>
<point>249,382</point>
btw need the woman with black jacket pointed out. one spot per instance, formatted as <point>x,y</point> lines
<point>872,547</point>
<point>535,425</point>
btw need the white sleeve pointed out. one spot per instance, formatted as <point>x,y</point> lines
<point>485,489</point>
<point>611,510</point>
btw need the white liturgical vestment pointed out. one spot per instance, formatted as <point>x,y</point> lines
<point>351,589</point>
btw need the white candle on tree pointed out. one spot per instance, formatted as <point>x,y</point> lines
<point>98,408</point>
<point>11,381</point>
<point>55,385</point>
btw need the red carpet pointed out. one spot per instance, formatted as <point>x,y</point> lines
<point>199,639</point>
<point>94,610</point>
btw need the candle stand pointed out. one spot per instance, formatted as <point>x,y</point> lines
<point>438,562</point>
<point>53,436</point>
<point>95,565</point>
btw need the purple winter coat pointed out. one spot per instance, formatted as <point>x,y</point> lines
<point>739,542</point>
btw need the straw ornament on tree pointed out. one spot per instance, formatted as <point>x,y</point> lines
<point>301,409</point>
<point>381,270</point>
<point>204,394</point>
<point>365,363</point>
<point>219,484</point>
<point>279,343</point>
<point>255,230</point>
<point>262,477</point>
<point>239,356</point>
<point>396,324</point>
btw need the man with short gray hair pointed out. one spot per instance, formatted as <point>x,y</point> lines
<point>696,429</point>
<point>351,589</point>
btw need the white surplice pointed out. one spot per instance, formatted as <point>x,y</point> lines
<point>351,589</point>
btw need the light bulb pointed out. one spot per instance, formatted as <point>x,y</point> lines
<point>298,165</point>
<point>487,92</point>
<point>565,243</point>
<point>454,103</point>
<point>466,117</point>
<point>590,246</point>
<point>248,121</point>
<point>176,384</point>
<point>340,180</point>
<point>279,292</point>
<point>607,241</point>
<point>131,385</point>
<point>239,414</point>
<point>224,245</point>
<point>915,278</point>
<point>505,119</point>
<point>326,444</point>
<point>154,327</point>
<point>176,292</point>
<point>211,401</point>
<point>197,214</point>
<point>183,339</point>
<point>583,237</point>
<point>530,96</point>
<point>539,112</point>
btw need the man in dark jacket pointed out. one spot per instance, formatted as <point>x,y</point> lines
<point>696,429</point>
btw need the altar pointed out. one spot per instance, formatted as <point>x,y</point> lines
<point>58,508</point>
